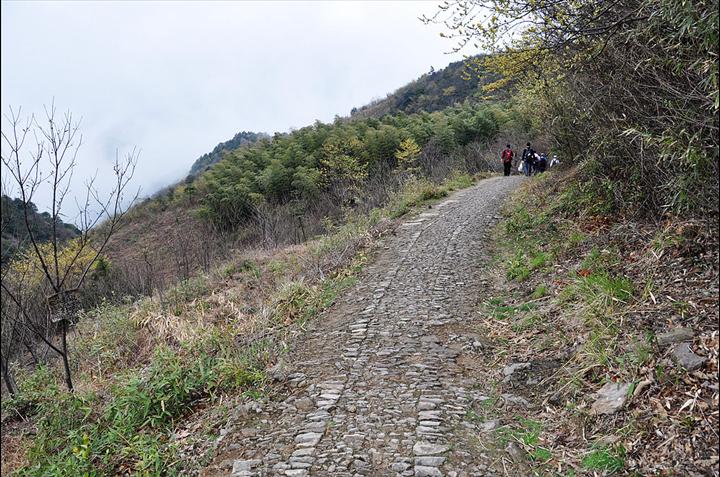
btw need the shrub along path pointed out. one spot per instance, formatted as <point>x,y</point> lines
<point>371,389</point>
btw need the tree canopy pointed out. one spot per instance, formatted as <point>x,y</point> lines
<point>630,85</point>
<point>333,157</point>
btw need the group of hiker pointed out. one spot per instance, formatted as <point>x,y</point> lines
<point>531,162</point>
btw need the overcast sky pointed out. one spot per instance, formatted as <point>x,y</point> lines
<point>176,78</point>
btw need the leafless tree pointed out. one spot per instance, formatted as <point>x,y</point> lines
<point>48,162</point>
<point>275,224</point>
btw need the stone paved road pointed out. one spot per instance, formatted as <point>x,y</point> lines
<point>373,389</point>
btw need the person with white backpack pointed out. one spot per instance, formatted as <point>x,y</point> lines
<point>554,161</point>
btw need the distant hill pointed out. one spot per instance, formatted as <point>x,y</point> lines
<point>240,139</point>
<point>14,233</point>
<point>433,91</point>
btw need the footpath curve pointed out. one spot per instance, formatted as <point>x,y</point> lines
<point>373,389</point>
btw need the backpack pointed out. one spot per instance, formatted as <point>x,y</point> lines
<point>528,153</point>
<point>507,155</point>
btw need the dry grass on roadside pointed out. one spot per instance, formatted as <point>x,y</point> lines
<point>580,296</point>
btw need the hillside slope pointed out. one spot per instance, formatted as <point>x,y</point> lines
<point>296,185</point>
<point>157,376</point>
<point>208,281</point>
<point>498,363</point>
<point>601,336</point>
<point>433,91</point>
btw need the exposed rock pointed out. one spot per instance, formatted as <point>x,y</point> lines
<point>308,439</point>
<point>278,372</point>
<point>425,471</point>
<point>354,440</point>
<point>430,339</point>
<point>557,398</point>
<point>490,425</point>
<point>610,398</point>
<point>426,448</point>
<point>683,355</point>
<point>422,415</point>
<point>434,461</point>
<point>512,368</point>
<point>676,335</point>
<point>529,374</point>
<point>511,372</point>
<point>302,459</point>
<point>426,406</point>
<point>518,455</point>
<point>244,465</point>
<point>400,466</point>
<point>304,404</point>
<point>241,410</point>
<point>304,451</point>
<point>296,472</point>
<point>517,401</point>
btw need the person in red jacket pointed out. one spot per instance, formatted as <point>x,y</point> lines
<point>507,158</point>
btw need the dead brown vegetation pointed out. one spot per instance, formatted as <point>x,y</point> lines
<point>569,336</point>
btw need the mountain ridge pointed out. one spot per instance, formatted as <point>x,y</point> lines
<point>432,91</point>
<point>208,159</point>
<point>14,232</point>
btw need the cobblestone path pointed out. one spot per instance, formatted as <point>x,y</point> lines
<point>373,390</point>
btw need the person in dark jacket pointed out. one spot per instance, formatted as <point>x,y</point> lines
<point>507,158</point>
<point>528,158</point>
<point>542,163</point>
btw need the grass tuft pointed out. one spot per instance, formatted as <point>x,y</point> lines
<point>605,459</point>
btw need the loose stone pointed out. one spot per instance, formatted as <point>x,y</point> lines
<point>676,335</point>
<point>610,398</point>
<point>426,448</point>
<point>400,466</point>
<point>309,439</point>
<point>240,465</point>
<point>296,472</point>
<point>424,471</point>
<point>429,461</point>
<point>683,355</point>
<point>304,404</point>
